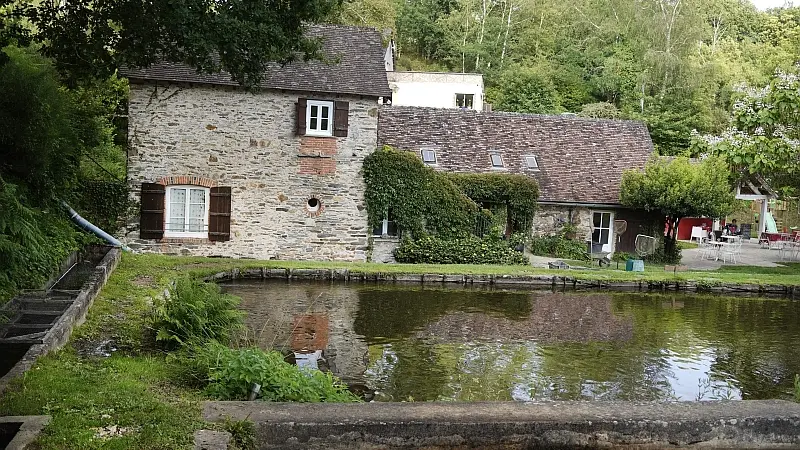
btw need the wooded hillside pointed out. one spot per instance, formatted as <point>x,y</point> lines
<point>673,63</point>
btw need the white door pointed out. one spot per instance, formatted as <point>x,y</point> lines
<point>601,228</point>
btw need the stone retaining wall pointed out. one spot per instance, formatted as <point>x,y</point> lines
<point>73,316</point>
<point>511,425</point>
<point>540,281</point>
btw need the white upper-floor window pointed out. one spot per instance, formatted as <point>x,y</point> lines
<point>319,118</point>
<point>186,211</point>
<point>465,101</point>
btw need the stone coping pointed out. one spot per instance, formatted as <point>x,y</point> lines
<point>28,431</point>
<point>522,281</point>
<point>73,316</point>
<point>567,424</point>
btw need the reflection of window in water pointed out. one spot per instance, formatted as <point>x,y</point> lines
<point>308,360</point>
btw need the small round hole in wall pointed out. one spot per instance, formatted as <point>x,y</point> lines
<point>313,205</point>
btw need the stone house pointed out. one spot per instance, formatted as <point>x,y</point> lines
<point>577,162</point>
<point>268,174</point>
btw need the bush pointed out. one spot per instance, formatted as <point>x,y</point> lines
<point>558,246</point>
<point>233,372</point>
<point>196,312</point>
<point>464,250</point>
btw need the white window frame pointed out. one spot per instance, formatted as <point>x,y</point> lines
<point>168,211</point>
<point>422,155</point>
<point>610,243</point>
<point>319,104</point>
<point>535,162</point>
<point>385,228</point>
<point>502,165</point>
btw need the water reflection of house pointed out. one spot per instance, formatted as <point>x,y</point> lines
<point>554,318</point>
<point>313,322</point>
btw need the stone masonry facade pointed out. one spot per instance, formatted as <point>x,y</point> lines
<point>224,136</point>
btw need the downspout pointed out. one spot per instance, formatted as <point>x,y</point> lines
<point>88,226</point>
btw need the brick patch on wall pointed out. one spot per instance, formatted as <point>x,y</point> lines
<point>194,181</point>
<point>317,146</point>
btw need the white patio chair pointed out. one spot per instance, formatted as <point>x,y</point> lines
<point>731,250</point>
<point>706,249</point>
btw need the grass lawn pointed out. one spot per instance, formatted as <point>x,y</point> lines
<point>138,390</point>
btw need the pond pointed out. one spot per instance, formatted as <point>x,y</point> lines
<point>420,343</point>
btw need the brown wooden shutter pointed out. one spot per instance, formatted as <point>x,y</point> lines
<point>341,110</point>
<point>219,214</point>
<point>302,104</point>
<point>151,214</point>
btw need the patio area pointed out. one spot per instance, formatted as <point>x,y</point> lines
<point>751,254</point>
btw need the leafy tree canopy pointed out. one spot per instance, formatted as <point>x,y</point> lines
<point>764,133</point>
<point>89,39</point>
<point>677,188</point>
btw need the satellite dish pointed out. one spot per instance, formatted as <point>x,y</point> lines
<point>620,226</point>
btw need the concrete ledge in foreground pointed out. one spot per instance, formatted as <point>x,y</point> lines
<point>510,425</point>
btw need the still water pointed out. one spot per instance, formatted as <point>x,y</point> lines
<point>409,342</point>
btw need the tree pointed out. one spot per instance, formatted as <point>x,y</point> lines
<point>92,38</point>
<point>678,188</point>
<point>764,133</point>
<point>526,90</point>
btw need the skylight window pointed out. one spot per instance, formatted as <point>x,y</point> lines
<point>497,161</point>
<point>531,162</point>
<point>428,156</point>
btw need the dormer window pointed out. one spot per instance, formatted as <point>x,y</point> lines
<point>428,156</point>
<point>497,161</point>
<point>531,162</point>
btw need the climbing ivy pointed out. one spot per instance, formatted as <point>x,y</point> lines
<point>518,192</point>
<point>424,201</point>
<point>421,200</point>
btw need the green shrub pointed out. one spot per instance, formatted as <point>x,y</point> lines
<point>464,250</point>
<point>558,246</point>
<point>233,372</point>
<point>196,312</point>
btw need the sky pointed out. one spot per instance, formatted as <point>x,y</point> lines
<point>764,4</point>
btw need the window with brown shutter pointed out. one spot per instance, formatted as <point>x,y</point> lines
<point>219,214</point>
<point>341,111</point>
<point>151,213</point>
<point>301,116</point>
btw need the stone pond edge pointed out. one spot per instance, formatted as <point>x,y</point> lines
<point>531,281</point>
<point>567,424</point>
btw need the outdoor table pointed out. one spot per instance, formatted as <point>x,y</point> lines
<point>731,237</point>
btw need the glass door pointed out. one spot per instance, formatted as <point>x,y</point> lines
<point>601,228</point>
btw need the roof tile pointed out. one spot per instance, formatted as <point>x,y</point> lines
<point>354,66</point>
<point>580,160</point>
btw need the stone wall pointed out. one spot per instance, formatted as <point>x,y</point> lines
<point>247,141</point>
<point>383,249</point>
<point>549,219</point>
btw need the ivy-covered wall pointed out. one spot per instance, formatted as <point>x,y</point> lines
<point>424,201</point>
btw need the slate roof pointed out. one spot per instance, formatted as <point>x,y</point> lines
<point>355,66</point>
<point>580,160</point>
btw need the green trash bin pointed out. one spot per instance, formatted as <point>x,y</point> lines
<point>629,265</point>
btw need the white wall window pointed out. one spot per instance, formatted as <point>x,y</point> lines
<point>531,162</point>
<point>186,211</point>
<point>319,118</point>
<point>497,161</point>
<point>465,101</point>
<point>428,156</point>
